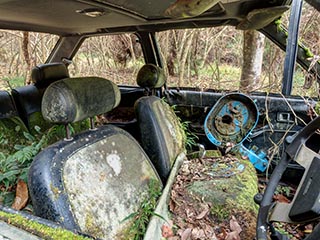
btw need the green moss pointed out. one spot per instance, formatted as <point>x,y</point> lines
<point>278,22</point>
<point>229,194</point>
<point>92,228</point>
<point>308,52</point>
<point>38,229</point>
<point>140,219</point>
<point>213,153</point>
<point>317,108</point>
<point>209,153</point>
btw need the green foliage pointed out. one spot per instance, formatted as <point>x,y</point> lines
<point>283,190</point>
<point>14,82</point>
<point>317,108</point>
<point>281,228</point>
<point>189,137</point>
<point>142,217</point>
<point>19,147</point>
<point>15,163</point>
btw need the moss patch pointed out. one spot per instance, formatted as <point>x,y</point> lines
<point>229,193</point>
<point>38,229</point>
<point>210,190</point>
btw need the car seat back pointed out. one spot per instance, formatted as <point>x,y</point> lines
<point>93,182</point>
<point>162,136</point>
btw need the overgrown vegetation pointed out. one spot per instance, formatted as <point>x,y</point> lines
<point>141,218</point>
<point>188,136</point>
<point>19,147</point>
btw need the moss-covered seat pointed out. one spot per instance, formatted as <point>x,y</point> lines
<point>162,137</point>
<point>94,181</point>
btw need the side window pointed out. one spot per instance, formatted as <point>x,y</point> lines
<point>305,84</point>
<point>207,58</point>
<point>213,58</point>
<point>115,57</point>
<point>19,53</point>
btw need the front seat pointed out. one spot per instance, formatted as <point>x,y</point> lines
<point>94,181</point>
<point>162,136</point>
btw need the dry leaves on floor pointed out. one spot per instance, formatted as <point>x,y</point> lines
<point>22,195</point>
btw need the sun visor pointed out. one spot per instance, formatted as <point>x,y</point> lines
<point>187,9</point>
<point>260,18</point>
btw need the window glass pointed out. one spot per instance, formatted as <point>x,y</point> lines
<point>207,58</point>
<point>304,82</point>
<point>212,58</point>
<point>115,57</point>
<point>19,53</point>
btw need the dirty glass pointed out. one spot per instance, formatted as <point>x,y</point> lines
<point>212,58</point>
<point>117,58</point>
<point>19,53</point>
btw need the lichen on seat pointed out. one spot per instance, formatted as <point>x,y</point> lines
<point>162,136</point>
<point>94,181</point>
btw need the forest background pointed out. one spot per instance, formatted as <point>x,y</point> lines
<point>210,58</point>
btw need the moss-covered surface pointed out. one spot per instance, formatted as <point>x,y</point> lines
<point>229,193</point>
<point>317,107</point>
<point>226,184</point>
<point>38,229</point>
<point>140,219</point>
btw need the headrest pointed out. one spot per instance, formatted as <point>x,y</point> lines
<point>74,99</point>
<point>150,76</point>
<point>45,74</point>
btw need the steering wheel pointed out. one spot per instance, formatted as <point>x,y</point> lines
<point>305,205</point>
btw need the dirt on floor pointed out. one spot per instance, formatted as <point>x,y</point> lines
<point>212,198</point>
<point>205,202</point>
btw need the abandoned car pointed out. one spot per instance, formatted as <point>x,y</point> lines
<point>91,146</point>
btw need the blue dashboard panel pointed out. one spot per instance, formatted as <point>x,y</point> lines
<point>230,121</point>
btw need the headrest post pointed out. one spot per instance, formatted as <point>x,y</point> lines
<point>68,133</point>
<point>92,125</point>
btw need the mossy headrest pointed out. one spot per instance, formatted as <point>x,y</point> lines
<point>74,99</point>
<point>45,74</point>
<point>150,76</point>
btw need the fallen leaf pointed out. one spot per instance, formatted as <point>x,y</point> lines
<point>186,234</point>
<point>202,214</point>
<point>281,198</point>
<point>172,205</point>
<point>233,236</point>
<point>173,238</point>
<point>223,233</point>
<point>234,225</point>
<point>198,233</point>
<point>166,231</point>
<point>22,196</point>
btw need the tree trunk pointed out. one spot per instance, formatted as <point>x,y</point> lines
<point>253,46</point>
<point>26,55</point>
<point>184,56</point>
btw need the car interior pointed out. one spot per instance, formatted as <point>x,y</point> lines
<point>90,181</point>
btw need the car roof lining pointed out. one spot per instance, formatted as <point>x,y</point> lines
<point>79,17</point>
